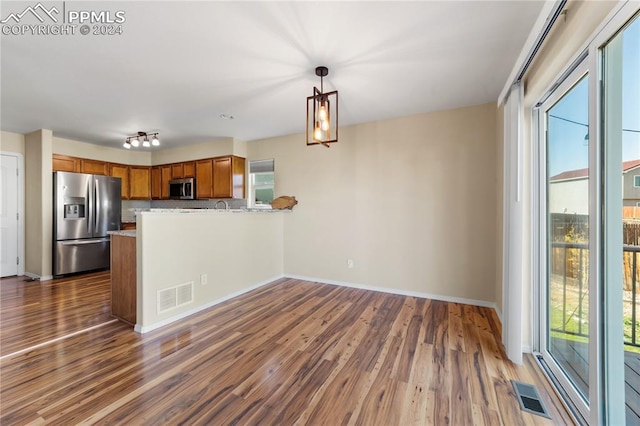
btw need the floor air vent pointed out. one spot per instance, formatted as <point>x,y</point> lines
<point>529,399</point>
<point>173,297</point>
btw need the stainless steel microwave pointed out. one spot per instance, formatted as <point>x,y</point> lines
<point>182,189</point>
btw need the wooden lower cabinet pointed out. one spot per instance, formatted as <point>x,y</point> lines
<point>123,278</point>
<point>139,183</point>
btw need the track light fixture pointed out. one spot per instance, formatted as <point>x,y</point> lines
<point>141,137</point>
<point>322,113</point>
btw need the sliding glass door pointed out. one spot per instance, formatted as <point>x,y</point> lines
<point>567,237</point>
<point>620,65</point>
<point>565,201</point>
<point>589,227</point>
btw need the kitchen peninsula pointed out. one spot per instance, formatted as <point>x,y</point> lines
<point>187,260</point>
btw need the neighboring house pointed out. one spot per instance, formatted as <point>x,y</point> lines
<point>631,183</point>
<point>568,191</point>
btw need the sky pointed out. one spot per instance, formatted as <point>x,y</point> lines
<point>567,148</point>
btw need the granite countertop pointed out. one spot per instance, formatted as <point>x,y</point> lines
<point>123,233</point>
<point>208,211</point>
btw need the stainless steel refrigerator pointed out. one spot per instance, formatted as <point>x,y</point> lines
<point>85,207</point>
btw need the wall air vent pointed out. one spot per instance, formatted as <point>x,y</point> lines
<point>529,399</point>
<point>173,297</point>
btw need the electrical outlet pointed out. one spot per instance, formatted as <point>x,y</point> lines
<point>203,279</point>
<point>349,263</point>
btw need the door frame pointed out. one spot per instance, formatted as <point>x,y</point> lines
<point>606,353</point>
<point>20,190</point>
<point>577,71</point>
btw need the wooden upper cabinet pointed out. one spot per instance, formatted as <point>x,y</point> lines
<point>64,163</point>
<point>139,183</point>
<point>204,178</point>
<point>156,183</point>
<point>165,177</point>
<point>160,177</point>
<point>177,171</point>
<point>189,169</point>
<point>121,171</point>
<point>228,177</point>
<point>222,178</point>
<point>238,179</point>
<point>94,167</point>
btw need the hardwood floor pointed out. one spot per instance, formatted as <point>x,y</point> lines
<point>32,312</point>
<point>292,352</point>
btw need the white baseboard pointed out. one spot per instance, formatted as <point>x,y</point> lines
<point>498,312</point>
<point>38,277</point>
<point>145,329</point>
<point>443,298</point>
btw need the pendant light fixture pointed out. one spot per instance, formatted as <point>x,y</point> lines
<point>141,137</point>
<point>322,114</point>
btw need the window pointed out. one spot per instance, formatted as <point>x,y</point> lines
<point>261,183</point>
<point>636,180</point>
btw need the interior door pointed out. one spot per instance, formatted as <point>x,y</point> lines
<point>9,216</point>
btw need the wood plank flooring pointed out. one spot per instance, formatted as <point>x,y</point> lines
<point>291,352</point>
<point>33,312</point>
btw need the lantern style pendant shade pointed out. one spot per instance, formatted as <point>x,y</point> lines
<point>322,114</point>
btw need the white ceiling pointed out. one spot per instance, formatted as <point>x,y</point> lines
<point>179,65</point>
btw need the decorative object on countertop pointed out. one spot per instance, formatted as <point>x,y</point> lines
<point>141,137</point>
<point>322,116</point>
<point>284,202</point>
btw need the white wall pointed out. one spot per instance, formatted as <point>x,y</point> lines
<point>215,148</point>
<point>237,251</point>
<point>411,200</point>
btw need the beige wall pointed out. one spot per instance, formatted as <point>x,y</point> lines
<point>568,37</point>
<point>215,148</point>
<point>38,203</point>
<point>237,251</point>
<point>411,200</point>
<point>103,153</point>
<point>12,142</point>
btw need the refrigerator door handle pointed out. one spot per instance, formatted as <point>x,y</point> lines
<point>97,204</point>
<point>83,242</point>
<point>90,210</point>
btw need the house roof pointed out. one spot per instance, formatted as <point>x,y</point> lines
<point>583,173</point>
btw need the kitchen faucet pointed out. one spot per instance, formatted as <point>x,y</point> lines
<point>226,205</point>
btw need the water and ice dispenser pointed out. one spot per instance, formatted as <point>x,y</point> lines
<point>74,207</point>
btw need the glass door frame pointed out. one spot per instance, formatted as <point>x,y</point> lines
<point>606,351</point>
<point>578,70</point>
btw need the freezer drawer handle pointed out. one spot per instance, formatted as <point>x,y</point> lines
<point>77,243</point>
